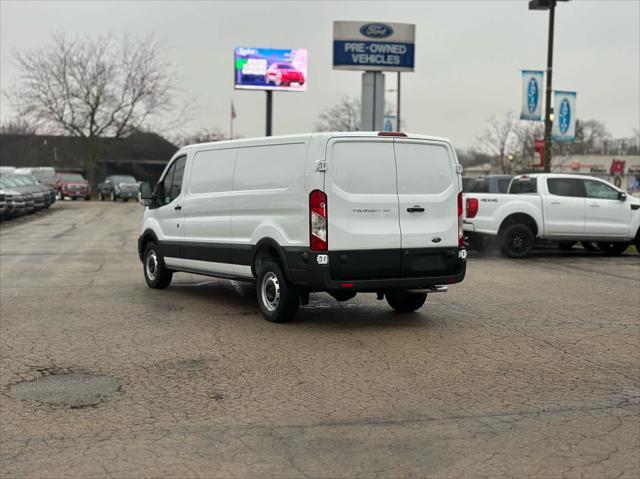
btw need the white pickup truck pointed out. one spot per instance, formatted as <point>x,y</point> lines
<point>554,207</point>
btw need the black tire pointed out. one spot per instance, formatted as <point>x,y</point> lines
<point>87,198</point>
<point>589,245</point>
<point>517,240</point>
<point>61,196</point>
<point>125,199</point>
<point>613,248</point>
<point>156,273</point>
<point>278,298</point>
<point>566,245</point>
<point>74,198</point>
<point>404,302</point>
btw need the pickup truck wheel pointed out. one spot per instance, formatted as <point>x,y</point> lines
<point>155,272</point>
<point>613,248</point>
<point>589,245</point>
<point>404,302</point>
<point>517,241</point>
<point>278,299</point>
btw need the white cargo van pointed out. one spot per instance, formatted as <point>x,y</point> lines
<point>336,212</point>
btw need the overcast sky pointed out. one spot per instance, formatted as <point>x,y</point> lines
<point>468,55</point>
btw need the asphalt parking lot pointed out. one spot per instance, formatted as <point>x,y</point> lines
<point>527,369</point>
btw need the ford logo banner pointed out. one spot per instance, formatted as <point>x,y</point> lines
<point>376,30</point>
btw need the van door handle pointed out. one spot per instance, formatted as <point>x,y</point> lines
<point>177,208</point>
<point>415,209</point>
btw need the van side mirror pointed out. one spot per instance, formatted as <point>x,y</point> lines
<point>145,195</point>
<point>622,196</point>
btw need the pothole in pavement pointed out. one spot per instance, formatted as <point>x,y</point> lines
<point>69,389</point>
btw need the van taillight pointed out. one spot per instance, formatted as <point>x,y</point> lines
<point>318,221</point>
<point>472,207</point>
<point>460,232</point>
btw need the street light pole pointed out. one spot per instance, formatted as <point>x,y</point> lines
<point>548,124</point>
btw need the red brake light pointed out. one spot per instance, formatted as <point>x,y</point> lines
<point>459,205</point>
<point>472,207</point>
<point>318,221</point>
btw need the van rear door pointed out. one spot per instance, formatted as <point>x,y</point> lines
<point>428,204</point>
<point>364,229</point>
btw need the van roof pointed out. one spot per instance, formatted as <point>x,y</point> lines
<point>306,137</point>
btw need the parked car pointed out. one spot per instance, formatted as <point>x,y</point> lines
<point>73,185</point>
<point>487,184</point>
<point>284,74</point>
<point>555,207</point>
<point>337,212</point>
<point>117,187</point>
<point>12,202</point>
<point>49,194</point>
<point>46,175</point>
<point>34,197</point>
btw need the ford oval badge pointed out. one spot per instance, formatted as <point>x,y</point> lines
<point>376,30</point>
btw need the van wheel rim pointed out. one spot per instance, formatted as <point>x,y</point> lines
<point>152,265</point>
<point>270,291</point>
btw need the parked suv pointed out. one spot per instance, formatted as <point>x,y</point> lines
<point>337,212</point>
<point>73,185</point>
<point>117,187</point>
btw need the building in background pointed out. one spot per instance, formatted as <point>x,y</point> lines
<point>142,155</point>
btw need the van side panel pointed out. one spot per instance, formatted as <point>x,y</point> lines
<point>269,198</point>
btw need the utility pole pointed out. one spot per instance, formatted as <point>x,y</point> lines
<point>269,111</point>
<point>548,123</point>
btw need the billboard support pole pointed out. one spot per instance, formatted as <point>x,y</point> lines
<point>269,110</point>
<point>372,105</point>
<point>398,127</point>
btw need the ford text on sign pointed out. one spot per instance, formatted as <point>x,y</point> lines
<point>373,46</point>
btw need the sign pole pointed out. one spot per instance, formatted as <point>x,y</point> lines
<point>398,127</point>
<point>269,110</point>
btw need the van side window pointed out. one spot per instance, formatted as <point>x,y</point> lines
<point>176,181</point>
<point>169,188</point>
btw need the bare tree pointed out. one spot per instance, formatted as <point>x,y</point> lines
<point>93,88</point>
<point>343,116</point>
<point>499,141</point>
<point>591,135</point>
<point>526,132</point>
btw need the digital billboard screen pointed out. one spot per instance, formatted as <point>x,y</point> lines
<point>270,69</point>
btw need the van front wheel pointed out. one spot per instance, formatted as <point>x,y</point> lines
<point>155,272</point>
<point>404,302</point>
<point>278,299</point>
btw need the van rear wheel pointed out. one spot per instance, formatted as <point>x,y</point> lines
<point>278,298</point>
<point>405,302</point>
<point>155,272</point>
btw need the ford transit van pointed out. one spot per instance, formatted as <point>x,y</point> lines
<point>343,213</point>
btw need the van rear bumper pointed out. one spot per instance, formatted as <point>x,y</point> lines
<point>443,266</point>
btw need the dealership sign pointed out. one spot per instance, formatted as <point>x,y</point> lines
<point>373,46</point>
<point>270,69</point>
<point>564,124</point>
<point>531,95</point>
